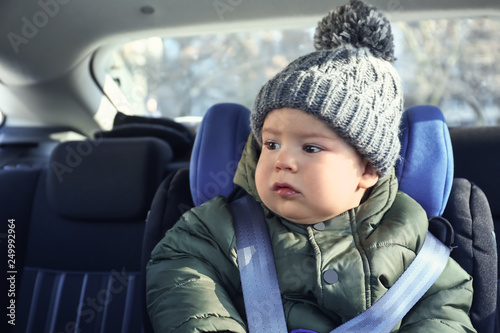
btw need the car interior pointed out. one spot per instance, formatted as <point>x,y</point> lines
<point>118,117</point>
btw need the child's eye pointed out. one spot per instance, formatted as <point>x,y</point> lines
<point>312,149</point>
<point>271,145</point>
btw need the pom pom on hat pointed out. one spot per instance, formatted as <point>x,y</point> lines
<point>349,83</point>
<point>359,25</point>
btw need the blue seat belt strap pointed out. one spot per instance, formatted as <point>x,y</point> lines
<point>261,290</point>
<point>259,281</point>
<point>390,309</point>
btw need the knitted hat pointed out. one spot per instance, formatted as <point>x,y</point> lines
<point>349,83</point>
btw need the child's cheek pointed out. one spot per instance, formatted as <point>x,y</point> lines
<point>259,177</point>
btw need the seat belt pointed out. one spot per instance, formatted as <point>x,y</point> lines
<point>390,309</point>
<point>261,293</point>
<point>259,281</point>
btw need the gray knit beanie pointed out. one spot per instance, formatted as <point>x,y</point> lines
<point>349,83</point>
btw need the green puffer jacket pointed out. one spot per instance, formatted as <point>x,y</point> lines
<point>193,282</point>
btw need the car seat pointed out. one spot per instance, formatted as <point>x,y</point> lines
<point>79,224</point>
<point>425,136</point>
<point>425,173</point>
<point>174,197</point>
<point>477,158</point>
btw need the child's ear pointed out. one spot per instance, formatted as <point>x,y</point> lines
<point>369,177</point>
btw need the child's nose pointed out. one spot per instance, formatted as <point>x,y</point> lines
<point>286,161</point>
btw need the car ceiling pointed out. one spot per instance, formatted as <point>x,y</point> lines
<point>44,39</point>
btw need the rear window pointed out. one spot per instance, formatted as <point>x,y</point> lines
<point>447,63</point>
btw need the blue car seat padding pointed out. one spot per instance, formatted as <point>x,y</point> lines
<point>425,170</point>
<point>217,150</point>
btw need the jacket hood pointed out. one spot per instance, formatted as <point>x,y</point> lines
<point>245,173</point>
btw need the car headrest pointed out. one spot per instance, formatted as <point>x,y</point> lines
<point>425,171</point>
<point>180,142</point>
<point>217,150</point>
<point>123,119</point>
<point>106,179</point>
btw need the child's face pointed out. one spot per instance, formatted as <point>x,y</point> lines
<point>306,172</point>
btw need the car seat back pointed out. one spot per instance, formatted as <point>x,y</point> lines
<point>213,176</point>
<point>475,248</point>
<point>427,157</point>
<point>477,159</point>
<point>83,234</point>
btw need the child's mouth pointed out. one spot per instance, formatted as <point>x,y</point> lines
<point>284,190</point>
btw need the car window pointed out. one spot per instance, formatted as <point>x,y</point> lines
<point>447,63</point>
<point>451,64</point>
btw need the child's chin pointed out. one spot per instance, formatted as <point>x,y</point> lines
<point>299,219</point>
